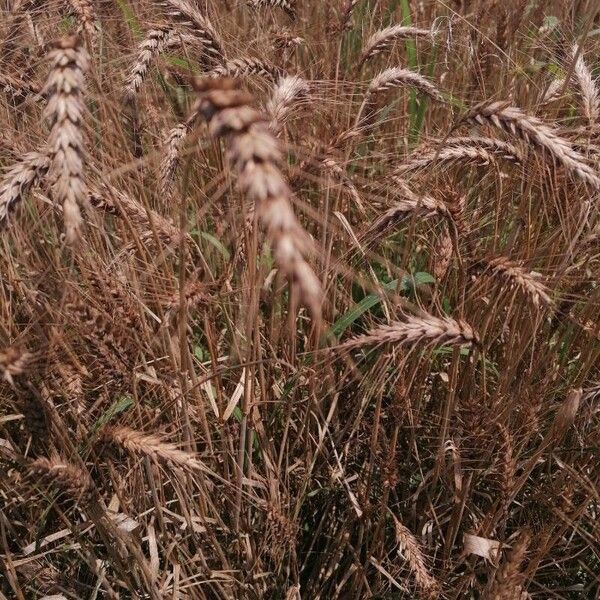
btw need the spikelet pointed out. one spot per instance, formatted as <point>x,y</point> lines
<point>288,94</point>
<point>385,38</point>
<point>64,112</point>
<point>186,13</point>
<point>242,67</point>
<point>168,165</point>
<point>424,329</point>
<point>553,92</point>
<point>17,182</point>
<point>288,6</point>
<point>442,253</point>
<point>66,477</point>
<point>255,157</point>
<point>410,550</point>
<point>14,361</point>
<point>587,88</point>
<point>527,281</point>
<point>531,129</point>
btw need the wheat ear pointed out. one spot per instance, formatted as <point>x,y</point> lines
<point>66,477</point>
<point>287,6</point>
<point>532,130</point>
<point>503,149</point>
<point>64,112</point>
<point>527,281</point>
<point>427,329</point>
<point>187,14</point>
<point>19,179</point>
<point>153,446</point>
<point>288,94</point>
<point>151,46</point>
<point>14,361</point>
<point>84,9</point>
<point>384,38</point>
<point>242,67</point>
<point>468,155</point>
<point>587,88</point>
<point>508,583</point>
<point>409,204</point>
<point>410,550</point>
<point>255,156</point>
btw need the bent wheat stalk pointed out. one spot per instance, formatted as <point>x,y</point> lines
<point>255,156</point>
<point>534,131</point>
<point>64,113</point>
<point>424,329</point>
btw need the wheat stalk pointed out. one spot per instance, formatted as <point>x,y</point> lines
<point>64,113</point>
<point>18,86</point>
<point>255,157</point>
<point>414,330</point>
<point>409,548</point>
<point>532,130</point>
<point>17,182</point>
<point>384,38</point>
<point>187,14</point>
<point>587,87</point>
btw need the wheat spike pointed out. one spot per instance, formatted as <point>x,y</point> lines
<point>152,45</point>
<point>153,446</point>
<point>186,13</point>
<point>255,156</point>
<point>396,77</point>
<point>531,129</point>
<point>384,38</point>
<point>527,281</point>
<point>19,179</point>
<point>468,155</point>
<point>346,19</point>
<point>64,113</point>
<point>242,67</point>
<point>508,583</point>
<point>409,548</point>
<point>288,94</point>
<point>288,6</point>
<point>427,329</point>
<point>503,149</point>
<point>553,92</point>
<point>66,477</point>
<point>14,361</point>
<point>168,166</point>
<point>587,88</point>
<point>84,9</point>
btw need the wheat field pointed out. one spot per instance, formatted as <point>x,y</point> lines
<point>299,299</point>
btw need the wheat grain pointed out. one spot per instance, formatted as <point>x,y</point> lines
<point>384,38</point>
<point>64,113</point>
<point>531,129</point>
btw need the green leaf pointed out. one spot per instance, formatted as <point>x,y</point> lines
<point>120,405</point>
<point>211,239</point>
<point>130,18</point>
